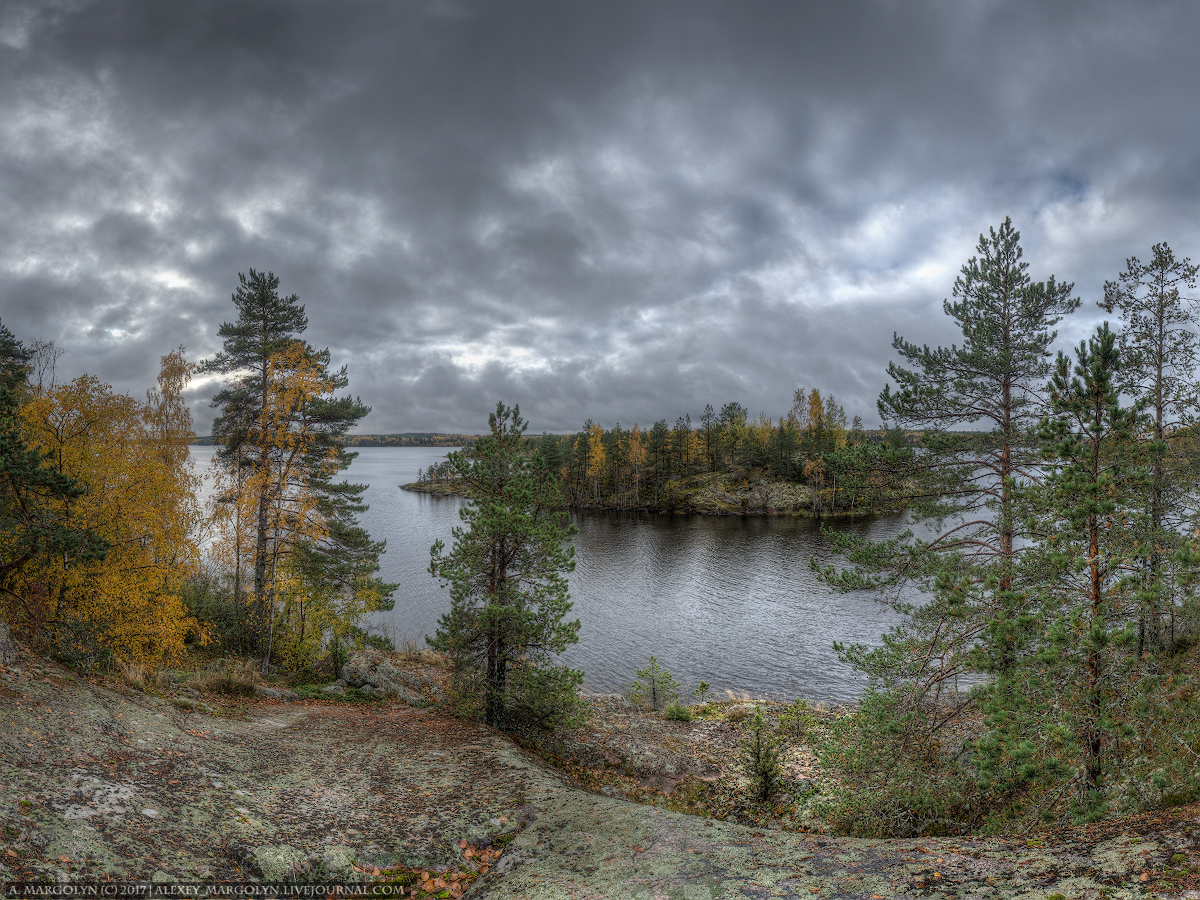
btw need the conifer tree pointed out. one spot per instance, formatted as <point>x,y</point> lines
<point>968,484</point>
<point>1061,712</point>
<point>970,479</point>
<point>508,591</point>
<point>1158,346</point>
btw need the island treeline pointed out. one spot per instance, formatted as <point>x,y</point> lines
<point>813,460</point>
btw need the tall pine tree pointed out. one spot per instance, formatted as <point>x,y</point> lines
<point>966,484</point>
<point>279,415</point>
<point>508,591</point>
<point>1061,713</point>
<point>1158,346</point>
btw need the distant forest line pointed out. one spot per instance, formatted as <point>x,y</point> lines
<point>407,439</point>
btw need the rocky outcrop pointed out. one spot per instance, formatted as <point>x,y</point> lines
<point>8,647</point>
<point>101,783</point>
<point>373,672</point>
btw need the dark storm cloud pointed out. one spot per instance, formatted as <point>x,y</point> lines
<point>615,211</point>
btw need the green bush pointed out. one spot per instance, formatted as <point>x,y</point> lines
<point>896,779</point>
<point>797,719</point>
<point>677,712</point>
<point>214,605</point>
<point>339,654</point>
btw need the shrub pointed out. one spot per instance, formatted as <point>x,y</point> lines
<point>677,712</point>
<point>339,653</point>
<point>896,779</point>
<point>760,756</point>
<point>654,687</point>
<point>205,598</point>
<point>235,677</point>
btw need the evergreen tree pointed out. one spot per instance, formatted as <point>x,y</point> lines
<point>969,481</point>
<point>1158,346</point>
<point>969,485</point>
<point>508,590</point>
<point>1063,710</point>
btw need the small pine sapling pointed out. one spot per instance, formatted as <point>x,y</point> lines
<point>702,691</point>
<point>797,719</point>
<point>654,687</point>
<point>760,756</point>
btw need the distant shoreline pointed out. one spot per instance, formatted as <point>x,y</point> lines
<point>407,439</point>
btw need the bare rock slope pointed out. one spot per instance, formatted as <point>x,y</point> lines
<point>97,781</point>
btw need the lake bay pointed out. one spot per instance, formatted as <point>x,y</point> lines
<point>726,599</point>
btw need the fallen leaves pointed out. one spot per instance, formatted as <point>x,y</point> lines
<point>426,883</point>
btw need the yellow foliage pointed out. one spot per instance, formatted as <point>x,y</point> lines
<point>140,496</point>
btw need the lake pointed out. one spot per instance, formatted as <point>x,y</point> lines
<point>728,600</point>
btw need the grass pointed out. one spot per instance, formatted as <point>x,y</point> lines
<point>352,694</point>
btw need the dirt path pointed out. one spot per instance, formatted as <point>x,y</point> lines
<point>97,782</point>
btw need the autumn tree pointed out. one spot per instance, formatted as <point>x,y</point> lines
<point>282,435</point>
<point>35,500</point>
<point>596,457</point>
<point>508,591</point>
<point>138,499</point>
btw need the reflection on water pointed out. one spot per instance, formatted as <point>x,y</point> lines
<point>728,600</point>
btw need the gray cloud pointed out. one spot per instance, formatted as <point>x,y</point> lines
<point>615,211</point>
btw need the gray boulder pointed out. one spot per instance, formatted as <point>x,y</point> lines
<point>8,647</point>
<point>373,669</point>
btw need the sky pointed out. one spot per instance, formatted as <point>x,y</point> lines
<point>606,210</point>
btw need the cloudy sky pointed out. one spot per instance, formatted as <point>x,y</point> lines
<point>620,211</point>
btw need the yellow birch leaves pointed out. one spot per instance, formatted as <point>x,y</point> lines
<point>132,460</point>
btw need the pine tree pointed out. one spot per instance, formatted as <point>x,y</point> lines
<point>508,591</point>
<point>971,479</point>
<point>1158,347</point>
<point>282,437</point>
<point>1064,709</point>
<point>967,482</point>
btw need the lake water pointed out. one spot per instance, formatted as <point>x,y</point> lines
<point>728,600</point>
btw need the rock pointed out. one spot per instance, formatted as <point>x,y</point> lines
<point>337,687</point>
<point>276,693</point>
<point>8,647</point>
<point>334,864</point>
<point>373,668</point>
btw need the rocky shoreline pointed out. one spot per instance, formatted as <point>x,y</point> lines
<point>100,780</point>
